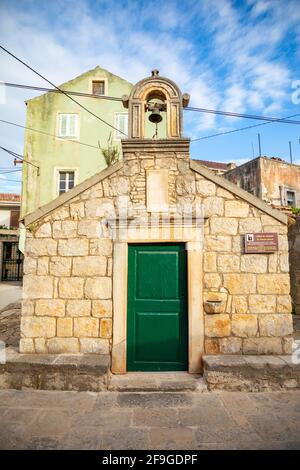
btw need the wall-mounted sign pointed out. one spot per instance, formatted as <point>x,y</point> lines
<point>261,242</point>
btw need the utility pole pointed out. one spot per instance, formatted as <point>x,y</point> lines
<point>259,145</point>
<point>291,153</point>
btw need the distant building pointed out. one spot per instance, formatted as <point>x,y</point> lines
<point>218,167</point>
<point>11,259</point>
<point>271,179</point>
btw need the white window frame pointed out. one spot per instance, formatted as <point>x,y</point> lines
<point>57,171</point>
<point>98,79</point>
<point>118,135</point>
<point>290,190</point>
<point>67,137</point>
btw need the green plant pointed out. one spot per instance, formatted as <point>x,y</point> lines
<point>111,153</point>
<point>296,210</point>
<point>4,227</point>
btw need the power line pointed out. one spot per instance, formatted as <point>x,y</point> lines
<point>53,90</point>
<point>10,171</point>
<point>245,116</point>
<point>11,181</point>
<point>47,133</point>
<point>240,129</point>
<point>60,90</point>
<point>19,157</point>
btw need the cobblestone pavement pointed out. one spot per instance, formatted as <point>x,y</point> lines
<point>121,420</point>
<point>10,317</point>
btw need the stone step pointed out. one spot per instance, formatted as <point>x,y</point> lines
<point>78,372</point>
<point>252,373</point>
<point>156,381</point>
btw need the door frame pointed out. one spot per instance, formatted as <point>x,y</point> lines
<point>194,249</point>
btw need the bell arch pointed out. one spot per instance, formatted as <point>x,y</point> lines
<point>160,88</point>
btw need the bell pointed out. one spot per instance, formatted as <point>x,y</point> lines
<point>155,116</point>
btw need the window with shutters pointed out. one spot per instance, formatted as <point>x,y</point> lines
<point>290,198</point>
<point>121,125</point>
<point>68,126</point>
<point>66,181</point>
<point>98,87</point>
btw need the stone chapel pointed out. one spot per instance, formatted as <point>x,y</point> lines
<point>146,260</point>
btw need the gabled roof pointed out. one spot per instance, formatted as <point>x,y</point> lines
<point>214,165</point>
<point>65,85</point>
<point>194,165</point>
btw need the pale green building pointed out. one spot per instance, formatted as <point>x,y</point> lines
<point>59,150</point>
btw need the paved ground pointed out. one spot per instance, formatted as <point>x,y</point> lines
<point>9,292</point>
<point>121,420</point>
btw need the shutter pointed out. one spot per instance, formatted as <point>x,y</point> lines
<point>121,125</point>
<point>72,125</point>
<point>62,125</point>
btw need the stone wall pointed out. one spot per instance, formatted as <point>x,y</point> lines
<point>294,245</point>
<point>67,303</point>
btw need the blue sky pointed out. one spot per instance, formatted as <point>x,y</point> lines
<point>240,56</point>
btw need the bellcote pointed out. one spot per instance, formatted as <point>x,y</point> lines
<point>156,95</point>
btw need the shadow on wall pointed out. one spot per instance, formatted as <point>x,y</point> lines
<point>294,256</point>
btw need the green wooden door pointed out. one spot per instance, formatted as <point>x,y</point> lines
<point>157,325</point>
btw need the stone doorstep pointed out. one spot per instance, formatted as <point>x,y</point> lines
<point>80,372</point>
<point>156,382</point>
<point>251,373</point>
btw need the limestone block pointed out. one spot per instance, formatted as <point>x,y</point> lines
<point>71,288</point>
<point>206,188</point>
<point>244,325</point>
<point>103,207</point>
<point>284,304</point>
<point>212,280</point>
<point>268,220</point>
<point>212,346</point>
<point>89,266</point>
<point>60,266</point>
<point>217,243</point>
<point>35,327</point>
<point>254,263</point>
<point>102,308</point>
<point>185,185</point>
<point>223,225</point>
<point>40,345</point>
<point>283,244</point>
<point>77,210</point>
<point>44,231</point>
<point>63,345</point>
<point>78,308</point>
<point>94,345</point>
<point>131,167</point>
<point>43,266</point>
<point>228,263</point>
<point>86,327</point>
<point>217,326</point>
<point>209,261</point>
<point>250,225</point>
<point>101,246</point>
<point>157,191</point>
<point>37,287</point>
<point>239,304</point>
<point>262,346</point>
<point>27,308</point>
<point>275,325</point>
<point>65,229</point>
<point>50,308</point>
<point>284,262</point>
<point>26,346</point>
<point>236,209</point>
<point>40,247</point>
<point>273,284</point>
<point>64,327</point>
<point>262,303</point>
<point>109,267</point>
<point>240,283</point>
<point>29,265</point>
<point>230,345</point>
<point>287,345</point>
<point>238,244</point>
<point>73,247</point>
<point>98,288</point>
<point>273,262</point>
<point>106,328</point>
<point>89,228</point>
<point>215,306</point>
<point>213,205</point>
<point>61,213</point>
<point>221,192</point>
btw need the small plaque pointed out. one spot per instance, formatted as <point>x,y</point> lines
<point>261,242</point>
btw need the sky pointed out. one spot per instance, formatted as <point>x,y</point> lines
<point>240,56</point>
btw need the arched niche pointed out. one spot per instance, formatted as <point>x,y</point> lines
<point>155,88</point>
